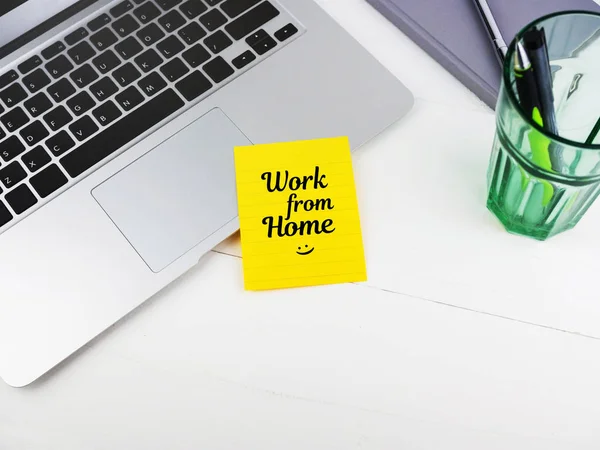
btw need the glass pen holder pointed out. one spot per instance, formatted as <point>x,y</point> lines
<point>541,184</point>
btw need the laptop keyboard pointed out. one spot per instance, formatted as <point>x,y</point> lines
<point>77,101</point>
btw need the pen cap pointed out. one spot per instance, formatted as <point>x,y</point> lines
<point>549,115</point>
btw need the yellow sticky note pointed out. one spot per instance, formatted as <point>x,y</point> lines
<point>299,217</point>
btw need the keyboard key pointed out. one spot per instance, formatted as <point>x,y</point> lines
<point>261,42</point>
<point>196,55</point>
<point>126,74</point>
<point>14,119</point>
<point>150,34</point>
<point>13,95</point>
<point>193,8</point>
<point>21,199</point>
<point>174,70</point>
<point>147,12</point>
<point>151,84</point>
<point>5,215</point>
<point>193,86</point>
<point>34,133</point>
<point>99,22</point>
<point>83,128</point>
<point>234,8</point>
<point>121,133</point>
<point>244,59</point>
<point>48,181</point>
<point>106,62</point>
<point>61,90</point>
<point>148,60</point>
<point>121,8</point>
<point>217,42</point>
<point>129,98</point>
<point>12,174</point>
<point>60,143</point>
<point>129,48</point>
<point>30,64</point>
<point>213,2</point>
<point>256,37</point>
<point>2,134</point>
<point>35,159</point>
<point>81,103</point>
<point>213,19</point>
<point>53,50</point>
<point>170,46</point>
<point>84,76</point>
<point>191,33</point>
<point>103,39</point>
<point>218,69</point>
<point>38,105</point>
<point>125,25</point>
<point>8,78</point>
<point>104,89</point>
<point>107,113</point>
<point>168,4</point>
<point>11,148</point>
<point>57,118</point>
<point>250,21</point>
<point>172,21</point>
<point>59,66</point>
<point>36,80</point>
<point>81,52</point>
<point>139,2</point>
<point>288,31</point>
<point>76,36</point>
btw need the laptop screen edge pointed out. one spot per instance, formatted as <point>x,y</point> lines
<point>29,15</point>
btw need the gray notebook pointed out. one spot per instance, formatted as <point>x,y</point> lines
<point>452,32</point>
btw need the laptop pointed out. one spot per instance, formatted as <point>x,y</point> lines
<point>118,121</point>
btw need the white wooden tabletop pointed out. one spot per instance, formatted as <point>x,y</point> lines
<point>457,341</point>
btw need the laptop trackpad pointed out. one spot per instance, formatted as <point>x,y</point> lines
<point>175,196</point>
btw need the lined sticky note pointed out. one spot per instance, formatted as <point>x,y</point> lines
<point>299,217</point>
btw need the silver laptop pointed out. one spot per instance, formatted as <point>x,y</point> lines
<point>117,126</point>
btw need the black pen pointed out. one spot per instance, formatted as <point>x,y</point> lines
<point>535,43</point>
<point>526,85</point>
<point>528,91</point>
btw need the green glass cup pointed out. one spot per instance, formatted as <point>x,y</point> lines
<point>541,182</point>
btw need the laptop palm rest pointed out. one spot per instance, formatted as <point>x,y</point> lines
<point>178,194</point>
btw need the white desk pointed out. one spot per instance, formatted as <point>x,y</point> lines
<point>429,354</point>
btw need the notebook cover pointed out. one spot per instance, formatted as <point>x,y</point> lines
<point>452,32</point>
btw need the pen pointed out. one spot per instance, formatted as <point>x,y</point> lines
<point>525,81</point>
<point>492,28</point>
<point>535,43</point>
<point>530,102</point>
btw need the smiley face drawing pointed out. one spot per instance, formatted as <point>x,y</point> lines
<point>308,252</point>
